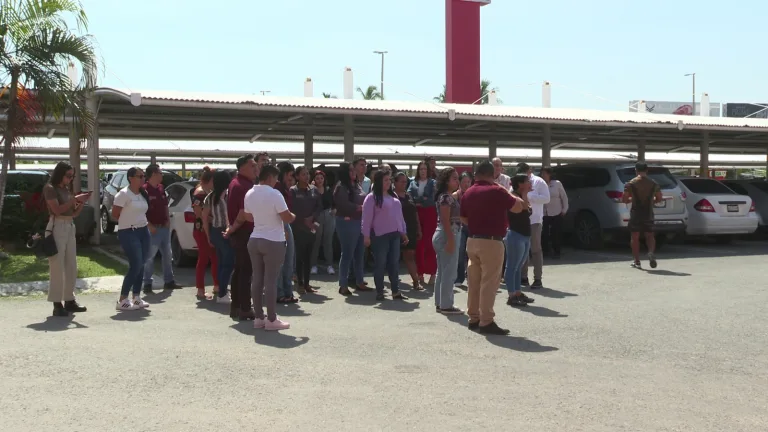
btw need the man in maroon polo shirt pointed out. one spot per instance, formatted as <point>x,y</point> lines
<point>484,208</point>
<point>247,169</point>
<point>159,224</point>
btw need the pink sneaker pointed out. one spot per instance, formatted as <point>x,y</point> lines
<point>277,324</point>
<point>259,323</point>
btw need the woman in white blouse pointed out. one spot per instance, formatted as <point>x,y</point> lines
<point>552,230</point>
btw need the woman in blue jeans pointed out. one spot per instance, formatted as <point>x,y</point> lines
<point>465,181</point>
<point>215,224</point>
<point>348,197</point>
<point>518,242</point>
<point>446,241</point>
<point>384,231</point>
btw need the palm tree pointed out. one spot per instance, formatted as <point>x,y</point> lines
<point>371,93</point>
<point>36,47</point>
<point>485,88</point>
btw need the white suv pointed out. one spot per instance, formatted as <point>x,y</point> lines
<point>596,213</point>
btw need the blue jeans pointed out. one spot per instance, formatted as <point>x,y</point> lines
<point>386,258</point>
<point>285,277</point>
<point>226,255</point>
<point>447,264</point>
<point>518,248</point>
<point>352,248</point>
<point>135,243</point>
<point>463,258</point>
<point>159,241</point>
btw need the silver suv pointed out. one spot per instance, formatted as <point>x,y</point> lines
<point>595,211</point>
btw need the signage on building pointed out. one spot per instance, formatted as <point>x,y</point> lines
<point>745,110</point>
<point>678,108</point>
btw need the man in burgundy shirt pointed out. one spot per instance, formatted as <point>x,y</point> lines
<point>159,228</point>
<point>247,169</point>
<point>484,208</point>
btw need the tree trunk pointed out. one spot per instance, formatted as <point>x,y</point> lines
<point>10,134</point>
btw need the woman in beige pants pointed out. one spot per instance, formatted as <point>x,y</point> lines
<point>63,208</point>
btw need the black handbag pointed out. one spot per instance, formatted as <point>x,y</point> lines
<point>46,246</point>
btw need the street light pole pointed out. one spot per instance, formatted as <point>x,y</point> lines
<point>382,71</point>
<point>693,79</point>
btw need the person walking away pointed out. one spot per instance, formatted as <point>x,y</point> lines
<point>285,181</point>
<point>307,206</point>
<point>498,174</point>
<point>446,241</point>
<point>247,169</point>
<point>465,181</point>
<point>554,212</point>
<point>642,192</point>
<point>538,196</point>
<point>62,209</point>
<point>422,189</point>
<point>484,208</point>
<point>384,230</point>
<point>205,252</point>
<point>518,242</point>
<point>129,208</point>
<point>159,223</point>
<point>215,223</point>
<point>348,197</point>
<point>412,228</point>
<point>326,225</point>
<point>268,212</point>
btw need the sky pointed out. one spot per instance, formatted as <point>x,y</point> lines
<point>597,54</point>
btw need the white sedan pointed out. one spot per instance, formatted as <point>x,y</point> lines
<point>183,242</point>
<point>714,209</point>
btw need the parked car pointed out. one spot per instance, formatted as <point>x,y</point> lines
<point>24,209</point>
<point>118,181</point>
<point>596,213</point>
<point>183,242</point>
<point>758,191</point>
<point>716,210</point>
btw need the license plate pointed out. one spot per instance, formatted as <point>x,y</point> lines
<point>662,204</point>
<point>733,208</point>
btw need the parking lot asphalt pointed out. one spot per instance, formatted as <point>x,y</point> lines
<point>604,348</point>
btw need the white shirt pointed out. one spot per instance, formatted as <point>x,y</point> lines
<point>422,184</point>
<point>558,200</point>
<point>538,196</point>
<point>265,204</point>
<point>134,209</point>
<point>504,181</point>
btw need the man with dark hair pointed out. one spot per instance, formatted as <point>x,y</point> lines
<point>159,223</point>
<point>484,208</point>
<point>261,158</point>
<point>643,193</point>
<point>538,197</point>
<point>360,167</point>
<point>241,277</point>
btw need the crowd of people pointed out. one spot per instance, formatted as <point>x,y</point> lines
<point>266,226</point>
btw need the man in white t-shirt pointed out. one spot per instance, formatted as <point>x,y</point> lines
<point>538,197</point>
<point>498,174</point>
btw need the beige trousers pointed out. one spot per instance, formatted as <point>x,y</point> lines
<point>483,276</point>
<point>63,265</point>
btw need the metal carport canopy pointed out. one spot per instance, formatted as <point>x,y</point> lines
<point>206,116</point>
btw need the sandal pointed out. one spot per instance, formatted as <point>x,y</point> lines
<point>345,292</point>
<point>203,296</point>
<point>284,300</point>
<point>309,290</point>
<point>399,296</point>
<point>417,286</point>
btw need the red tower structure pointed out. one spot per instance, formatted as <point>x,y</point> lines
<point>462,50</point>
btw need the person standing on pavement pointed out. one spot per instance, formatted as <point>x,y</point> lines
<point>432,167</point>
<point>554,212</point>
<point>360,166</point>
<point>307,206</point>
<point>215,224</point>
<point>498,174</point>
<point>642,192</point>
<point>484,208</point>
<point>62,209</point>
<point>348,197</point>
<point>518,242</point>
<point>241,276</point>
<point>159,223</point>
<point>327,221</point>
<point>446,241</point>
<point>129,209</point>
<point>205,252</point>
<point>422,190</point>
<point>538,196</point>
<point>285,181</point>
<point>465,181</point>
<point>412,228</point>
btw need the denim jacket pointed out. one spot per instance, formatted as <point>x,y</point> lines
<point>426,200</point>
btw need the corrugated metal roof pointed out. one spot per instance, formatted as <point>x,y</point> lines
<point>554,115</point>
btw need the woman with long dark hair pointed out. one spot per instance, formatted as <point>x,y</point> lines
<point>422,190</point>
<point>446,241</point>
<point>348,197</point>
<point>412,228</point>
<point>205,253</point>
<point>326,224</point>
<point>384,230</point>
<point>285,181</point>
<point>518,242</point>
<point>465,181</point>
<point>63,207</point>
<point>307,206</point>
<point>215,223</point>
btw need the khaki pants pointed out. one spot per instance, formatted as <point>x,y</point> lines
<point>484,270</point>
<point>63,265</point>
<point>537,255</point>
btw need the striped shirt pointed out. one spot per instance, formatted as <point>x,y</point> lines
<point>218,211</point>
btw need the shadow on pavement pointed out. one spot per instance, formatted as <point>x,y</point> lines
<point>519,344</point>
<point>134,316</point>
<point>398,305</point>
<point>315,298</point>
<point>666,273</point>
<point>54,324</point>
<point>274,339</point>
<point>212,306</point>
<point>541,311</point>
<point>290,309</point>
<point>158,296</point>
<point>552,293</point>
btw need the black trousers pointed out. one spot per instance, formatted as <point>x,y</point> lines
<point>304,240</point>
<point>241,276</point>
<point>552,234</point>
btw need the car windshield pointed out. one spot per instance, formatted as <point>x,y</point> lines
<point>660,175</point>
<point>707,186</point>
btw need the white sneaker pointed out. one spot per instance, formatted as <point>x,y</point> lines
<point>259,323</point>
<point>457,285</point>
<point>227,299</point>
<point>331,270</point>
<point>140,303</point>
<point>277,324</point>
<point>313,270</point>
<point>125,305</point>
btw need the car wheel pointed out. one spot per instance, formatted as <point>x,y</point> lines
<point>180,259</point>
<point>107,226</point>
<point>587,232</point>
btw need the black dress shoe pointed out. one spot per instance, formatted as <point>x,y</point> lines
<point>492,329</point>
<point>148,289</point>
<point>172,286</point>
<point>473,325</point>
<point>524,282</point>
<point>59,311</point>
<point>72,306</point>
<point>537,284</point>
<point>516,301</point>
